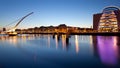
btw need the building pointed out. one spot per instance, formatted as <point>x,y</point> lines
<point>108,20</point>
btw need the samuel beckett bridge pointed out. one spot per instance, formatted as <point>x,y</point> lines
<point>12,32</point>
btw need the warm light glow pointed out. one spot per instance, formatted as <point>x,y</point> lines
<point>13,40</point>
<point>64,41</point>
<point>76,44</point>
<point>91,40</point>
<point>11,30</point>
<point>115,41</point>
<point>108,22</point>
<point>56,41</point>
<point>3,38</point>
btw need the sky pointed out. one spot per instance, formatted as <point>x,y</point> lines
<point>78,13</point>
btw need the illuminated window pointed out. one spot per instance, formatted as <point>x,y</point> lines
<point>108,21</point>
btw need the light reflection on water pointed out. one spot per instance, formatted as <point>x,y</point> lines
<point>59,50</point>
<point>107,47</point>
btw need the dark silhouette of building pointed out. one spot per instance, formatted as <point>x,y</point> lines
<point>108,20</point>
<point>4,29</point>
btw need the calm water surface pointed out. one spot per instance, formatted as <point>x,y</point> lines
<point>47,51</point>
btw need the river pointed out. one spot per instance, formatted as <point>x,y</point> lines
<point>48,51</point>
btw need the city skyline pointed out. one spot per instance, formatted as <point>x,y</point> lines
<point>77,13</point>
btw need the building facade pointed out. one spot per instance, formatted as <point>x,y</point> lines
<point>108,20</point>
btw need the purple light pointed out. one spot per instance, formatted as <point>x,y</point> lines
<point>107,49</point>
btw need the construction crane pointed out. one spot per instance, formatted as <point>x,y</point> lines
<point>12,32</point>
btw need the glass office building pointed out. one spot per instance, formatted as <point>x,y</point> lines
<point>108,20</point>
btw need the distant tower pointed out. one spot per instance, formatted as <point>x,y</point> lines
<point>108,20</point>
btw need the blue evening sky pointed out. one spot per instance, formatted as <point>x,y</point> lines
<point>52,12</point>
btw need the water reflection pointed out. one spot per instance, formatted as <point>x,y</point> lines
<point>107,49</point>
<point>61,41</point>
<point>76,43</point>
<point>56,41</point>
<point>14,40</point>
<point>64,39</point>
<point>49,41</point>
